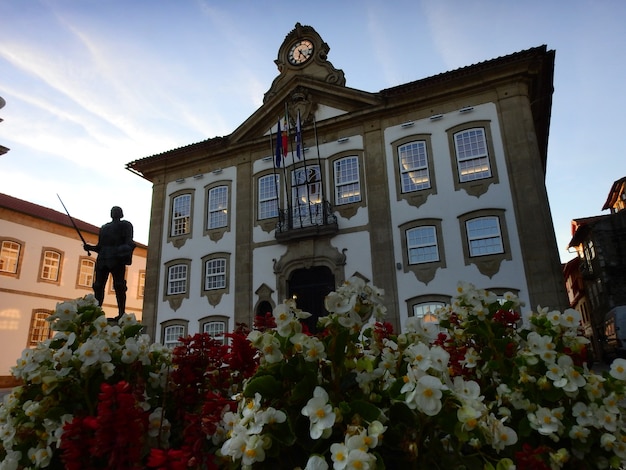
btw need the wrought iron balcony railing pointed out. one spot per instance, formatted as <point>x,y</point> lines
<point>306,220</point>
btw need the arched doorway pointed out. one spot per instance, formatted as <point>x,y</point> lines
<point>309,287</point>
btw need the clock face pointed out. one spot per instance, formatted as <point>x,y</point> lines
<point>300,52</point>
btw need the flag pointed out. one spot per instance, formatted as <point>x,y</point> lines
<point>279,146</point>
<point>298,137</point>
<point>285,142</point>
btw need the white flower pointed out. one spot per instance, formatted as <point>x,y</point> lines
<point>314,349</point>
<point>338,303</point>
<point>359,460</point>
<point>502,435</point>
<point>253,450</point>
<point>270,347</point>
<point>316,462</point>
<point>571,318</point>
<point>618,369</point>
<point>40,456</point>
<point>545,420</point>
<point>320,413</point>
<point>427,395</point>
<point>107,369</point>
<point>339,455</point>
<point>94,350</point>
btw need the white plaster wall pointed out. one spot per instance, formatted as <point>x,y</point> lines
<point>197,306</point>
<point>448,204</point>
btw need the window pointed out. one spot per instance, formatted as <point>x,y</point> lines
<point>181,215</point>
<point>141,284</point>
<point>215,274</point>
<point>347,181</point>
<point>50,266</point>
<point>413,164</point>
<point>306,194</point>
<point>9,257</point>
<point>177,279</point>
<point>427,311</point>
<point>268,196</point>
<point>483,236</point>
<point>486,239</point>
<point>85,272</point>
<point>39,327</point>
<point>473,157</point>
<point>471,154</point>
<point>218,207</point>
<point>422,248</point>
<point>172,335</point>
<point>422,244</point>
<point>176,282</point>
<point>216,329</point>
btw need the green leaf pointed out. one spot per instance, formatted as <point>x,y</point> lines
<point>266,385</point>
<point>365,409</point>
<point>132,330</point>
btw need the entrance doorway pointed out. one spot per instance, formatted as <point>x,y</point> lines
<point>309,287</point>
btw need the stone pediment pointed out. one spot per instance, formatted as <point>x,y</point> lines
<point>313,99</point>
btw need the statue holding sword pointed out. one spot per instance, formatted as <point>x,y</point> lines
<point>115,251</point>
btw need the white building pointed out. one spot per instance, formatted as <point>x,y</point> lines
<point>42,263</point>
<point>413,188</point>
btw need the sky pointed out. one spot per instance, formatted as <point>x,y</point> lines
<point>91,85</point>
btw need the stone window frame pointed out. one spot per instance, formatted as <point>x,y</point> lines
<point>214,319</point>
<point>417,197</point>
<point>479,186</point>
<point>487,264</point>
<point>424,272</point>
<point>42,265</point>
<point>267,224</point>
<point>217,233</point>
<point>347,210</point>
<point>141,283</point>
<point>214,296</point>
<point>177,322</point>
<point>426,299</point>
<point>39,328</point>
<point>20,257</point>
<point>180,239</point>
<point>79,274</point>
<point>175,300</point>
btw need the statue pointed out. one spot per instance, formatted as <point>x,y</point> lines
<point>115,251</point>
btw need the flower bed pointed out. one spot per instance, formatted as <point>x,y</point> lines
<point>477,391</point>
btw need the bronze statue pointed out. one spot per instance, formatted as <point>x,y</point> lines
<point>115,251</point>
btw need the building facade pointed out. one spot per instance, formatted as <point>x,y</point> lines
<point>414,188</point>
<point>600,243</point>
<point>42,263</point>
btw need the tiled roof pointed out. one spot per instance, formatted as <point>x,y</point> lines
<point>44,213</point>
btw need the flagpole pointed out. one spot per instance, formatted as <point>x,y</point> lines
<point>275,183</point>
<point>306,171</point>
<point>319,162</point>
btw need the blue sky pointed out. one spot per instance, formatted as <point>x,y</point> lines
<point>94,84</point>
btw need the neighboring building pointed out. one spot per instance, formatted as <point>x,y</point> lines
<point>3,149</point>
<point>600,242</point>
<point>413,188</point>
<point>42,263</point>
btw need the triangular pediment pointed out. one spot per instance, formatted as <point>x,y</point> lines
<point>313,99</point>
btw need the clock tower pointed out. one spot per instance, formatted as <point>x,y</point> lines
<point>304,53</point>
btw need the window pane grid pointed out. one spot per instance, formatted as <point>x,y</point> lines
<point>50,268</point>
<point>347,185</point>
<point>181,215</point>
<point>218,207</point>
<point>39,327</point>
<point>268,200</point>
<point>484,236</point>
<point>414,166</point>
<point>85,276</point>
<point>177,279</point>
<point>472,156</point>
<point>216,329</point>
<point>172,334</point>
<point>9,256</point>
<point>215,274</point>
<point>422,245</point>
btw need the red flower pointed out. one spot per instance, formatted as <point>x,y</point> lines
<point>532,459</point>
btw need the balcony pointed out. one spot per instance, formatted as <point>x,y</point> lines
<point>305,221</point>
<point>586,270</point>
